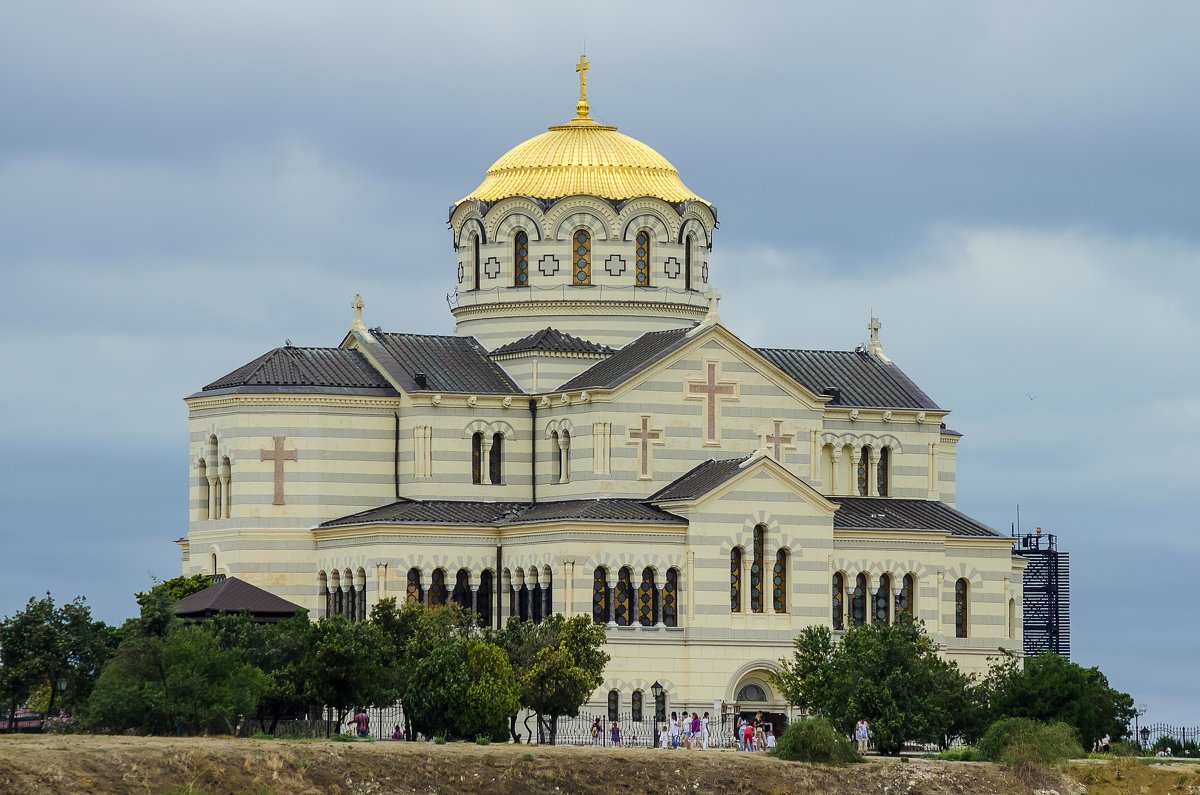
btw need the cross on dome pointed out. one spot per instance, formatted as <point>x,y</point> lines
<point>581,109</point>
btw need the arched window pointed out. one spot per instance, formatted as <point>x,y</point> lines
<point>212,564</point>
<point>688,245</point>
<point>839,604</point>
<point>461,595</point>
<point>1012,619</point>
<point>413,591</point>
<point>670,599</point>
<point>547,599</point>
<point>752,692</point>
<point>335,593</point>
<point>323,594</point>
<point>735,580</point>
<point>756,569</point>
<point>475,258</point>
<point>779,582</point>
<point>351,609</point>
<point>864,470</point>
<point>614,704</point>
<point>483,599</point>
<point>858,601</point>
<point>362,595</point>
<point>202,472</point>
<point>477,458</point>
<point>885,458</point>
<point>647,596</point>
<point>556,456</point>
<point>523,602</point>
<point>581,257</point>
<point>437,590</point>
<point>642,259</point>
<point>961,589</point>
<point>635,706</point>
<point>521,260</point>
<point>600,595</point>
<point>495,457</point>
<point>883,600</point>
<point>908,591</point>
<point>624,597</point>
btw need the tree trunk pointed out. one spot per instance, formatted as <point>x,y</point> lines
<point>512,728</point>
<point>553,728</point>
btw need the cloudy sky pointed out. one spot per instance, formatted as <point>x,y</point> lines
<point>1011,186</point>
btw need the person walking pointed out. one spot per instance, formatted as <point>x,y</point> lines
<point>748,736</point>
<point>695,730</point>
<point>674,730</point>
<point>862,732</point>
<point>704,732</point>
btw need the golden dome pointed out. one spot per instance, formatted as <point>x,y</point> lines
<point>582,157</point>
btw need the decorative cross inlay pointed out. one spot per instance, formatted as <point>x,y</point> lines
<point>491,266</point>
<point>278,455</point>
<point>777,441</point>
<point>704,272</point>
<point>460,272</point>
<point>548,265</point>
<point>644,438</point>
<point>615,264</point>
<point>711,391</point>
<point>671,267</point>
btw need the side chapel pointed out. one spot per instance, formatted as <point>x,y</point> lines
<point>594,440</point>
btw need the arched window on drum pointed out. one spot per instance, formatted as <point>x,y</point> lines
<point>581,257</point>
<point>521,259</point>
<point>642,259</point>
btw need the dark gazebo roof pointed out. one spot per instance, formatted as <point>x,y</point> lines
<point>232,595</point>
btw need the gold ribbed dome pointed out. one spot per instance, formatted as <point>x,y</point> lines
<point>582,157</point>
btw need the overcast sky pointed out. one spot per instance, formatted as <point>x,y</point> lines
<point>1012,187</point>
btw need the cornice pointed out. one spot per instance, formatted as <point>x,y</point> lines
<point>343,401</point>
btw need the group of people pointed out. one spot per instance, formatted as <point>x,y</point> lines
<point>753,735</point>
<point>683,731</point>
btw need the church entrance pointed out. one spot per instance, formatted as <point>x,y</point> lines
<point>756,701</point>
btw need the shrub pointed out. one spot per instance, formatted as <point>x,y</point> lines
<point>439,740</point>
<point>967,754</point>
<point>815,740</point>
<point>1022,742</point>
<point>481,740</point>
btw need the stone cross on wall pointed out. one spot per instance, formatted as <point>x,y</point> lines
<point>644,438</point>
<point>777,441</point>
<point>711,391</point>
<point>278,455</point>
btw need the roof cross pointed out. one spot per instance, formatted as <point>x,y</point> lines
<point>582,67</point>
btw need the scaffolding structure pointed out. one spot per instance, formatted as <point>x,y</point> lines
<point>1047,594</point>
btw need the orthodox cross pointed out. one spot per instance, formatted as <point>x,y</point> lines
<point>644,438</point>
<point>278,455</point>
<point>582,67</point>
<point>711,391</point>
<point>777,441</point>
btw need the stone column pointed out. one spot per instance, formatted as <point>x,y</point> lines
<point>660,590</point>
<point>564,459</point>
<point>933,473</point>
<point>225,496</point>
<point>381,571</point>
<point>815,453</point>
<point>691,589</point>
<point>485,460</point>
<point>568,588</point>
<point>833,470</point>
<point>214,497</point>
<point>612,597</point>
<point>873,474</point>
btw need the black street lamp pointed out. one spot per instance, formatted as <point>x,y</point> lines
<point>660,705</point>
<point>1145,733</point>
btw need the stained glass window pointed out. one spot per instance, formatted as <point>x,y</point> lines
<point>413,591</point>
<point>858,601</point>
<point>461,595</point>
<point>687,262</point>
<point>475,247</point>
<point>483,599</point>
<point>904,607</point>
<point>646,598</point>
<point>642,250</point>
<point>779,582</point>
<point>521,260</point>
<point>624,597</point>
<point>883,600</point>
<point>635,706</point>
<point>581,258</point>
<point>600,596</point>
<point>839,605</point>
<point>614,704</point>
<point>756,569</point>
<point>735,580</point>
<point>670,599</point>
<point>536,603</point>
<point>885,457</point>
<point>864,468</point>
<point>351,603</point>
<point>960,608</point>
<point>437,591</point>
<point>547,602</point>
<point>495,457</point>
<point>477,458</point>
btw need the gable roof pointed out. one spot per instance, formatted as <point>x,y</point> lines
<point>699,480</point>
<point>862,379</point>
<point>309,368</point>
<point>630,360</point>
<point>551,340</point>
<point>890,513</point>
<point>449,363</point>
<point>232,595</point>
<point>497,514</point>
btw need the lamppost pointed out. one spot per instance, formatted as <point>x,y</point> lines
<point>1139,711</point>
<point>660,705</point>
<point>1145,735</point>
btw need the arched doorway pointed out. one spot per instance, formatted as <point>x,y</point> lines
<point>755,698</point>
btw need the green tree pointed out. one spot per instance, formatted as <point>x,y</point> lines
<point>277,649</point>
<point>463,689</point>
<point>891,675</point>
<point>1049,687</point>
<point>343,666</point>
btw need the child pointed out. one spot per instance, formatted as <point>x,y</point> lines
<point>770,741</point>
<point>664,737</point>
<point>616,734</point>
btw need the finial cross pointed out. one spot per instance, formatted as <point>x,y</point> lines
<point>582,68</point>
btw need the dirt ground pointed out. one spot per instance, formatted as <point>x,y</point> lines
<point>192,766</point>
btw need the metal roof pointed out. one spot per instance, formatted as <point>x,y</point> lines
<point>449,363</point>
<point>496,514</point>
<point>305,367</point>
<point>630,360</point>
<point>699,480</point>
<point>861,379</point>
<point>889,513</point>
<point>554,341</point>
<point>233,596</point>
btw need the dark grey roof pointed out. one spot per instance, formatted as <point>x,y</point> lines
<point>630,360</point>
<point>470,512</point>
<point>699,480</point>
<point>861,379</point>
<point>450,363</point>
<point>887,513</point>
<point>232,595</point>
<point>554,341</point>
<point>305,367</point>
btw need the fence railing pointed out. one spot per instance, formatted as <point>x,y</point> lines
<point>1185,736</point>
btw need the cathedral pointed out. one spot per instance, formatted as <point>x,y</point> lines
<point>593,440</point>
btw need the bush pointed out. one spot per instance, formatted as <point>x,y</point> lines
<point>967,754</point>
<point>1022,742</point>
<point>815,740</point>
<point>481,740</point>
<point>439,740</point>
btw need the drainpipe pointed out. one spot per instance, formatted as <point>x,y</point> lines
<point>497,580</point>
<point>396,468</point>
<point>533,451</point>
